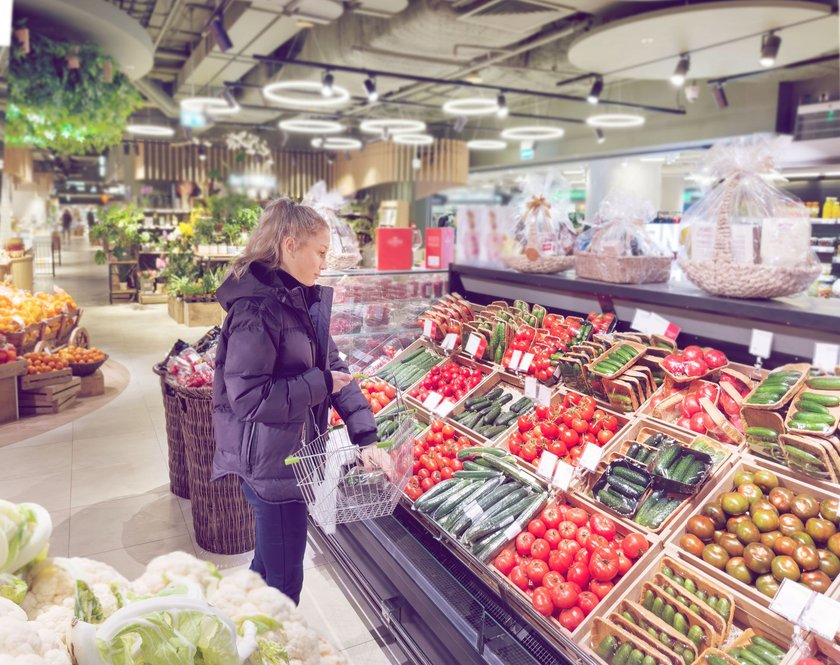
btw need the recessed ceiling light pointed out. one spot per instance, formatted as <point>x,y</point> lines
<point>615,120</point>
<point>303,126</point>
<point>414,139</point>
<point>533,133</point>
<point>210,105</point>
<point>392,126</point>
<point>486,144</point>
<point>150,130</point>
<point>312,91</point>
<point>471,106</point>
<point>336,143</point>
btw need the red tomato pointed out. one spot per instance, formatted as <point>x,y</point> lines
<point>697,423</point>
<point>448,432</point>
<point>624,563</point>
<point>567,529</point>
<point>528,452</point>
<point>423,473</point>
<point>550,430</point>
<point>519,577</point>
<point>583,555</point>
<point>540,549</point>
<point>504,562</point>
<point>600,589</point>
<point>542,412</point>
<point>536,571</point>
<point>579,574</point>
<point>603,526</point>
<point>693,352</point>
<point>523,543</point>
<point>537,527</point>
<point>610,422</point>
<point>552,579</point>
<point>579,425</point>
<point>525,424</point>
<point>595,541</point>
<point>577,515</point>
<point>634,545</point>
<point>587,602</point>
<point>715,358</point>
<point>564,596</point>
<point>559,561</point>
<point>570,546</point>
<point>604,436</point>
<point>426,484</point>
<point>446,473</point>
<point>514,446</point>
<point>437,426</point>
<point>542,602</point>
<point>413,492</point>
<point>582,535</point>
<point>571,618</point>
<point>603,566</point>
<point>552,537</point>
<point>570,438</point>
<point>550,516</point>
<point>695,367</point>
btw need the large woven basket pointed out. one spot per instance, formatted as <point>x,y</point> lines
<point>172,413</point>
<point>623,269</point>
<point>222,517</point>
<point>542,264</point>
<point>721,276</point>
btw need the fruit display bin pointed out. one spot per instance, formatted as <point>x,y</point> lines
<point>486,371</point>
<point>374,365</point>
<point>727,484</point>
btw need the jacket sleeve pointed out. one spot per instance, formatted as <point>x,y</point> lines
<point>254,392</point>
<point>351,404</point>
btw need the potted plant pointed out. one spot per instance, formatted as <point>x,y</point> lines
<point>119,232</point>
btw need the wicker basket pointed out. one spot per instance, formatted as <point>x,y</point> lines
<point>222,517</point>
<point>720,276</point>
<point>178,483</point>
<point>623,269</point>
<point>542,264</point>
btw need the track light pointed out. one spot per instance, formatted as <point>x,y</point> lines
<point>720,97</point>
<point>594,95</point>
<point>416,163</point>
<point>327,84</point>
<point>202,153</point>
<point>599,135</point>
<point>501,102</point>
<point>770,44</point>
<point>681,71</point>
<point>370,89</point>
<point>229,98</point>
<point>220,35</point>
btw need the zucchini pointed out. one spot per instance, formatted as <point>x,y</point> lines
<point>491,416</point>
<point>633,476</point>
<point>494,431</point>
<point>472,401</point>
<point>506,419</point>
<point>521,405</point>
<point>494,394</point>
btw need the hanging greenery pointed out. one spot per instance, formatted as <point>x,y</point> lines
<point>67,97</point>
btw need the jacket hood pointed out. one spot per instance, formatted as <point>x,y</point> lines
<point>259,281</point>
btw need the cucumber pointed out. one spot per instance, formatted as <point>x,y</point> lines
<point>454,499</point>
<point>607,647</point>
<point>824,383</point>
<point>668,614</point>
<point>647,601</point>
<point>494,394</point>
<point>680,624</point>
<point>648,660</point>
<point>633,451</point>
<point>722,607</point>
<point>625,487</point>
<point>695,634</point>
<point>475,466</point>
<point>682,468</point>
<point>823,400</point>
<point>512,508</point>
<point>492,432</point>
<point>808,427</point>
<point>479,452</point>
<point>635,658</point>
<point>813,407</point>
<point>615,501</point>
<point>667,454</point>
<point>658,607</point>
<point>777,652</point>
<point>491,416</point>
<point>622,655</point>
<point>695,472</point>
<point>714,659</point>
<point>521,404</point>
<point>506,419</point>
<point>749,657</point>
<point>472,401</point>
<point>633,476</point>
<point>629,617</point>
<point>435,496</point>
<point>477,532</point>
<point>815,418</point>
<point>484,474</point>
<point>512,470</point>
<point>478,404</point>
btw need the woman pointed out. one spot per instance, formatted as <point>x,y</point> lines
<point>277,372</point>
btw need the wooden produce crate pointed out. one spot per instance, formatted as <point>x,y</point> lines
<point>510,384</point>
<point>726,484</point>
<point>92,385</point>
<point>49,398</point>
<point>69,321</point>
<point>38,381</point>
<point>175,305</point>
<point>9,390</point>
<point>50,328</point>
<point>202,314</point>
<point>24,340</point>
<point>150,298</point>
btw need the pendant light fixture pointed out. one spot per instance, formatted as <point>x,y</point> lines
<point>681,71</point>
<point>594,95</point>
<point>770,44</point>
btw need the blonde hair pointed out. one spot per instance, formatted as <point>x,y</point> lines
<point>281,219</point>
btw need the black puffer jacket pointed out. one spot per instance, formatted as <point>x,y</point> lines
<point>270,380</point>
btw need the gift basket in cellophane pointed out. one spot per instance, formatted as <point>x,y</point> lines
<point>344,251</point>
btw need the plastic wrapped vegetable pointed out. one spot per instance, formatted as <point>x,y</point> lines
<point>618,247</point>
<point>543,237</point>
<point>344,247</point>
<point>746,238</point>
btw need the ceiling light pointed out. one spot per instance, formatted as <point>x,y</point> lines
<point>615,120</point>
<point>833,174</point>
<point>473,77</point>
<point>370,89</point>
<point>594,95</point>
<point>502,110</point>
<point>414,139</point>
<point>303,126</point>
<point>681,70</point>
<point>486,144</point>
<point>210,105</point>
<point>336,143</point>
<point>652,158</point>
<point>304,24</point>
<point>270,91</point>
<point>150,130</point>
<point>770,44</point>
<point>416,163</point>
<point>599,135</point>
<point>533,133</point>
<point>220,35</point>
<point>471,106</point>
<point>327,81</point>
<point>202,153</point>
<point>392,126</point>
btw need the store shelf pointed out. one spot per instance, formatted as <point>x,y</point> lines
<point>381,273</point>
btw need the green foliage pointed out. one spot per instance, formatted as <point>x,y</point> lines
<point>229,217</point>
<point>71,111</point>
<point>119,230</point>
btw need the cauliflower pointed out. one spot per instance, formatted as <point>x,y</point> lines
<point>176,566</point>
<point>24,642</point>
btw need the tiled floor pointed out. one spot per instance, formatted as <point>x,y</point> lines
<point>104,476</point>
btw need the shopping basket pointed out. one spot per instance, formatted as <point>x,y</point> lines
<point>342,482</point>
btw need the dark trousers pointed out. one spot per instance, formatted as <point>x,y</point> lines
<point>281,543</point>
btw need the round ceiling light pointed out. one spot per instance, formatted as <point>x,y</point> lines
<point>303,126</point>
<point>392,126</point>
<point>309,94</point>
<point>486,144</point>
<point>414,139</point>
<point>209,105</point>
<point>533,133</point>
<point>471,106</point>
<point>150,130</point>
<point>615,120</point>
<point>336,143</point>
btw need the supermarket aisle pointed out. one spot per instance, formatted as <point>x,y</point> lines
<point>104,477</point>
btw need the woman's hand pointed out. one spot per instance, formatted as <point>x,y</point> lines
<point>340,380</point>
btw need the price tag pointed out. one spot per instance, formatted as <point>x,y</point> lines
<point>563,475</point>
<point>761,343</point>
<point>825,356</point>
<point>790,600</point>
<point>543,395</point>
<point>659,325</point>
<point>546,466</point>
<point>512,531</point>
<point>822,616</point>
<point>444,408</point>
<point>449,342</point>
<point>526,362</point>
<point>473,511</point>
<point>428,326</point>
<point>531,388</point>
<point>590,457</point>
<point>515,358</point>
<point>640,320</point>
<point>342,356</point>
<point>472,344</point>
<point>432,400</point>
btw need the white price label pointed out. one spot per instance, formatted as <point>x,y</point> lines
<point>544,395</point>
<point>432,400</point>
<point>512,531</point>
<point>444,408</point>
<point>527,359</point>
<point>428,326</point>
<point>822,615</point>
<point>825,356</point>
<point>473,511</point>
<point>515,358</point>
<point>790,600</point>
<point>640,320</point>
<point>590,457</point>
<point>472,344</point>
<point>563,475</point>
<point>449,342</point>
<point>761,343</point>
<point>531,388</point>
<point>342,356</point>
<point>548,461</point>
